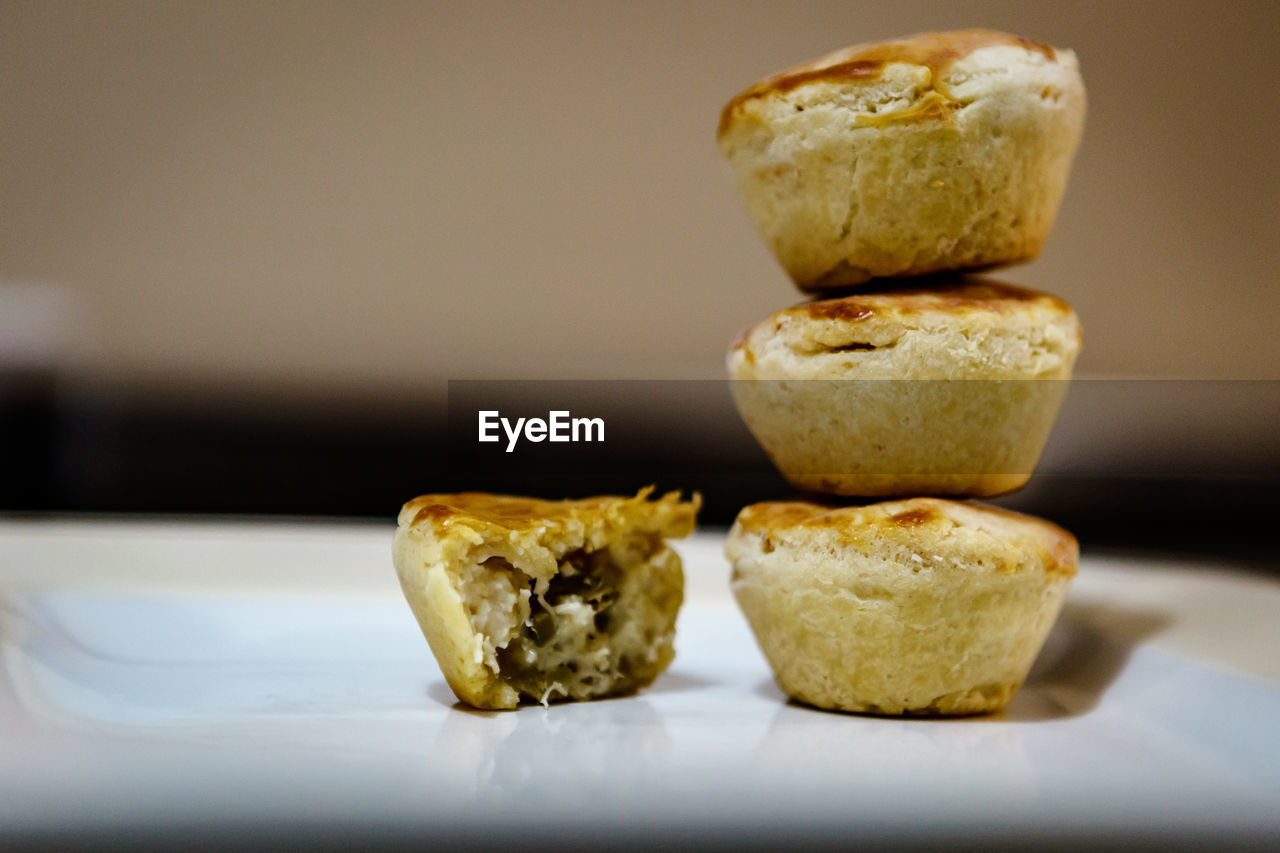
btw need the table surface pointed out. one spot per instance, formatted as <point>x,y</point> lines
<point>165,676</point>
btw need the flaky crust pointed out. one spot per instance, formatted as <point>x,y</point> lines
<point>458,521</point>
<point>940,151</point>
<point>945,328</point>
<point>442,537</point>
<point>946,388</point>
<point>866,62</point>
<point>922,522</point>
<point>920,606</point>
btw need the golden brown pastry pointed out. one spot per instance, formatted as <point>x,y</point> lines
<point>921,606</point>
<point>523,599</point>
<point>950,387</point>
<point>941,151</point>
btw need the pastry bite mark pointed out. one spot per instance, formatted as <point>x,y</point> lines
<point>526,600</point>
<point>865,63</point>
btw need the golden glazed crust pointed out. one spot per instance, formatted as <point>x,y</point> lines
<point>949,328</point>
<point>865,63</point>
<point>511,593</point>
<point>921,606</point>
<point>466,514</point>
<point>949,297</point>
<point>949,388</point>
<point>934,153</point>
<point>924,521</point>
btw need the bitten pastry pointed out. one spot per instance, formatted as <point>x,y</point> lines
<point>531,600</point>
<point>922,606</point>
<point>950,388</point>
<point>941,151</point>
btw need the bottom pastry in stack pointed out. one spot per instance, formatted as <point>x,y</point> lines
<point>911,607</point>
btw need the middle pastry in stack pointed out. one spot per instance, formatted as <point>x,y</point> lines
<point>927,390</point>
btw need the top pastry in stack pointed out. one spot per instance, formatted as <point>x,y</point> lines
<point>882,176</point>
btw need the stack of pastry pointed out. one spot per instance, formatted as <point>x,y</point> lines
<point>882,176</point>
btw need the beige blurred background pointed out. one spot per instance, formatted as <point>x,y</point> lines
<point>381,196</point>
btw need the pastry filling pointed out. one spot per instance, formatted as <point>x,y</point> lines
<point>582,634</point>
<point>564,645</point>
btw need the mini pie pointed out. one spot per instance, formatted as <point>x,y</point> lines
<point>922,606</point>
<point>949,388</point>
<point>936,152</point>
<point>523,599</point>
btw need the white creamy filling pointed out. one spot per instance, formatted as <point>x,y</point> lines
<point>568,636</point>
<point>495,600</point>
